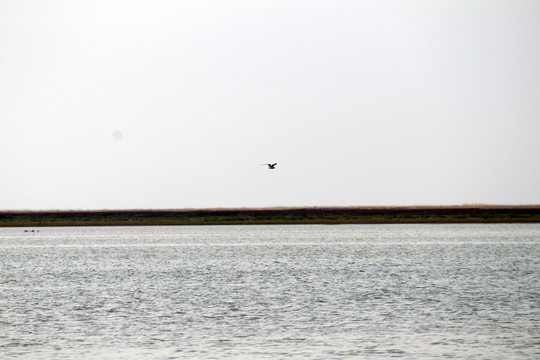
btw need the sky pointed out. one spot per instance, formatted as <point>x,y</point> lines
<point>177,104</point>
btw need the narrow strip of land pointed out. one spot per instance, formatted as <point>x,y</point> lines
<point>291,215</point>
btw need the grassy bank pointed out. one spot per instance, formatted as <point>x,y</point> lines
<point>311,215</point>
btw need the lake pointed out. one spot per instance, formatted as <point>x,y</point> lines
<point>273,291</point>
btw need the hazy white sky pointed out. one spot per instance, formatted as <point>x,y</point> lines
<point>176,104</point>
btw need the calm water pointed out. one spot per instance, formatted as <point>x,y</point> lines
<point>315,292</point>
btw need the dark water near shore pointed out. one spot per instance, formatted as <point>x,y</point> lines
<point>309,291</point>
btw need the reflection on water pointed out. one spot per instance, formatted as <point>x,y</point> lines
<point>411,291</point>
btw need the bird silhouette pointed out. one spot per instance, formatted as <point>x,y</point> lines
<point>271,166</point>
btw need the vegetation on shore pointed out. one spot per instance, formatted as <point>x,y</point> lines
<point>246,216</point>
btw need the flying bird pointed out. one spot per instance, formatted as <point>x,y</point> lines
<point>271,166</point>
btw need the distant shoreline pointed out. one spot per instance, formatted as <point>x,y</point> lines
<point>282,215</point>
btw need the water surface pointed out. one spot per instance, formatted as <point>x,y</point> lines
<point>300,291</point>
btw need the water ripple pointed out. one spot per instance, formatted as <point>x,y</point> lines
<point>419,291</point>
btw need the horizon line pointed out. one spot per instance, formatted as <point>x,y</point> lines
<point>252,208</point>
